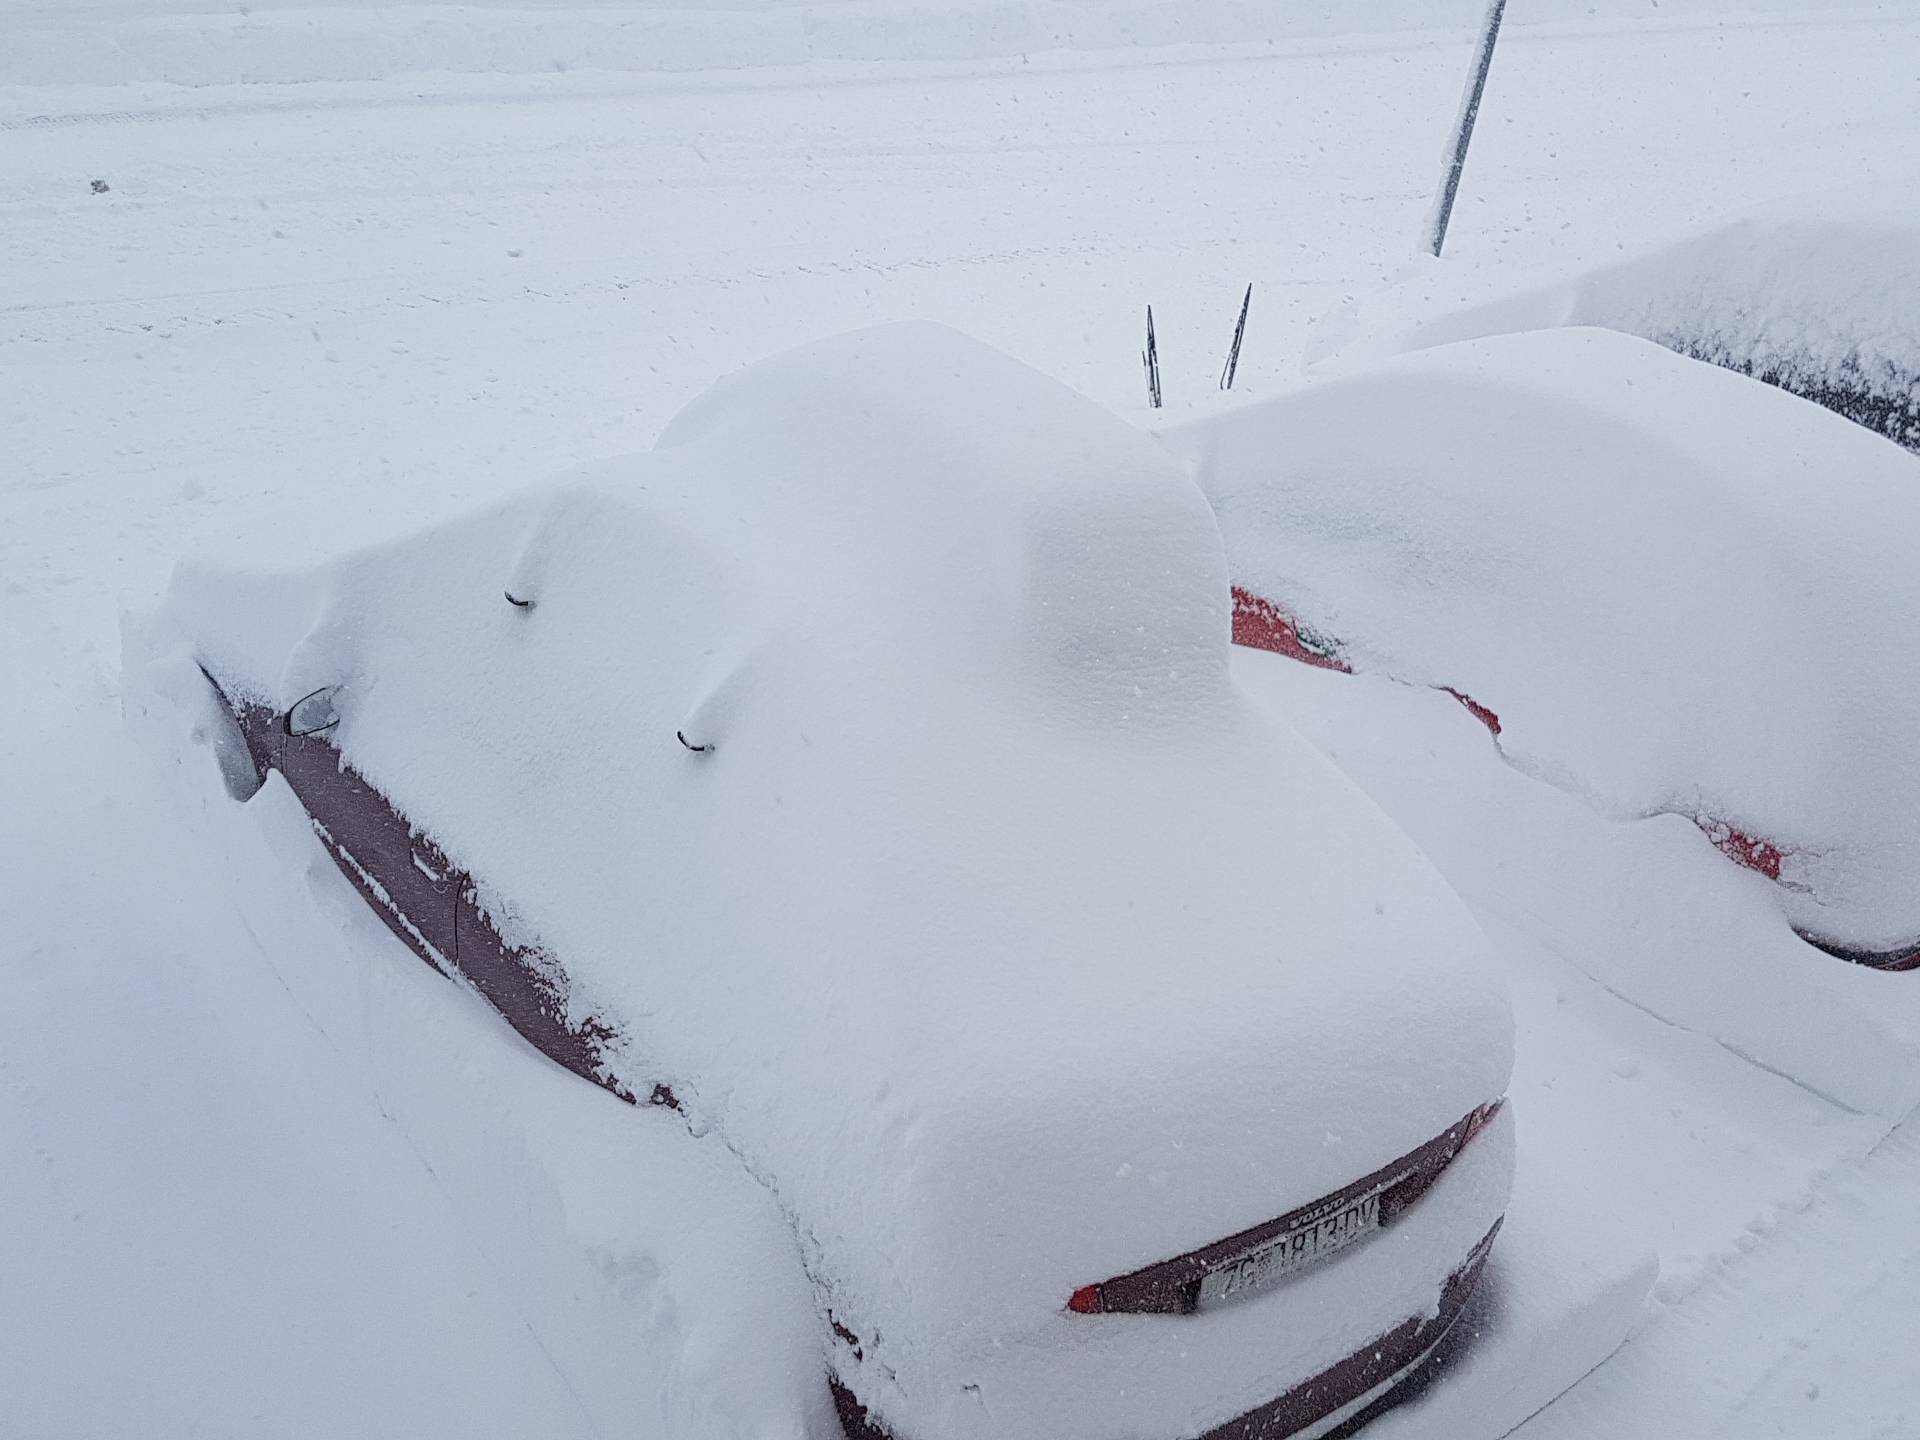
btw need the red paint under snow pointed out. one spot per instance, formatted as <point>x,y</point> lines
<point>1479,712</point>
<point>1762,856</point>
<point>1262,625</point>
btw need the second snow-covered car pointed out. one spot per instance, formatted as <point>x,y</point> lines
<point>860,776</point>
<point>1663,587</point>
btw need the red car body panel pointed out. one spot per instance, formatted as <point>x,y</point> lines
<point>1262,625</point>
<point>429,905</point>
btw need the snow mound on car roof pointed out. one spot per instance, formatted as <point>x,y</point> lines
<point>959,505</point>
<point>1820,296</point>
<point>1005,939</point>
<point>1679,590</point>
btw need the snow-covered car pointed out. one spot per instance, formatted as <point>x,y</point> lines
<point>1819,296</point>
<point>1662,586</point>
<point>859,777</point>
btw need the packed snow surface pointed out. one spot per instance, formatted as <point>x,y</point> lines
<point>1004,938</point>
<point>1681,591</point>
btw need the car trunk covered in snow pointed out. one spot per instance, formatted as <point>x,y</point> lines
<point>1664,587</point>
<point>865,764</point>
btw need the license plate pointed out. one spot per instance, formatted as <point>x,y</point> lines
<point>1307,1243</point>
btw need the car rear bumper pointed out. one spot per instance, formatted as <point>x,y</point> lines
<point>1368,1379</point>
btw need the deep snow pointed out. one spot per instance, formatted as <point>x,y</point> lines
<point>305,315</point>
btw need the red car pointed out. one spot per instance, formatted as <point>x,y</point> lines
<point>860,776</point>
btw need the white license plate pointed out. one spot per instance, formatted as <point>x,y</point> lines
<point>1307,1243</point>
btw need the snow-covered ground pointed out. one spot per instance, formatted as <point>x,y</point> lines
<point>238,1199</point>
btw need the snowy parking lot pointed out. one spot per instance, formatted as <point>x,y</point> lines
<point>300,278</point>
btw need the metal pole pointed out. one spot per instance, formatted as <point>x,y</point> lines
<point>1150,361</point>
<point>1463,127</point>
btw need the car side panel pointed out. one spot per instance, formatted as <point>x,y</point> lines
<point>530,994</point>
<point>401,872</point>
<point>431,906</point>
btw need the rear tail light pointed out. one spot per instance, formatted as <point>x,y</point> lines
<point>1085,1300</point>
<point>1176,1286</point>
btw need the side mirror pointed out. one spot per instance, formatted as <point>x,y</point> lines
<point>313,713</point>
<point>240,772</point>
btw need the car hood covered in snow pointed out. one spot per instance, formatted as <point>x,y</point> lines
<point>996,930</point>
<point>1678,589</point>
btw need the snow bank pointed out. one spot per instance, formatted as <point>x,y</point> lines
<point>130,42</point>
<point>999,935</point>
<point>1680,592</point>
<point>1820,297</point>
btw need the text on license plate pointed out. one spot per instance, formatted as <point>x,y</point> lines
<point>1305,1244</point>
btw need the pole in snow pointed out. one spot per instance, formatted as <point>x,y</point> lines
<point>1463,127</point>
<point>1150,361</point>
<point>1239,334</point>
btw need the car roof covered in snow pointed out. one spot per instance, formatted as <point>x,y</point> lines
<point>1680,590</point>
<point>997,930</point>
